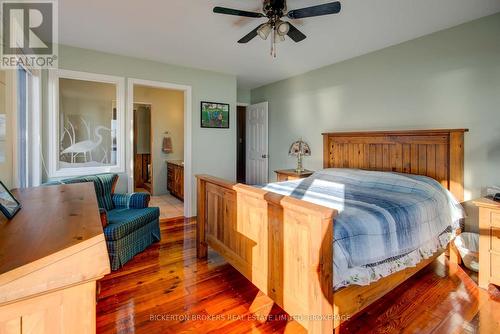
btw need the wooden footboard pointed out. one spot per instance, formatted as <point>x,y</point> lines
<point>284,247</point>
<point>281,244</point>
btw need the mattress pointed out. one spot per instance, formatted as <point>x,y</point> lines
<point>386,221</point>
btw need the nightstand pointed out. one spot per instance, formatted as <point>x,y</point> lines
<point>291,174</point>
<point>489,242</point>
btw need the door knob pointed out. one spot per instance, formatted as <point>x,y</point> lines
<point>264,156</point>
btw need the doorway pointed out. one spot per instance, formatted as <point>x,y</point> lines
<point>143,181</point>
<point>241,158</point>
<point>170,143</point>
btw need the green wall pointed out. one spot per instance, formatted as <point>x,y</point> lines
<point>213,150</point>
<point>450,79</point>
<point>243,95</point>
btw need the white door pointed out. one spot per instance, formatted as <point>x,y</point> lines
<point>257,144</point>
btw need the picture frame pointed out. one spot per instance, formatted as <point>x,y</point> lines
<point>9,205</point>
<point>214,115</point>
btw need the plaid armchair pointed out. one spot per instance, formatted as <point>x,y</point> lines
<point>130,226</point>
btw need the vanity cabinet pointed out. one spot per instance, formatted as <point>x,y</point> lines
<point>175,179</point>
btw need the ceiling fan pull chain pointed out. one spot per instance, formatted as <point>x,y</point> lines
<point>273,48</point>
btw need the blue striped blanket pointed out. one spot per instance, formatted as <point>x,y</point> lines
<point>381,215</point>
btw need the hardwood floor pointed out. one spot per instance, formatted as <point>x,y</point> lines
<point>166,289</point>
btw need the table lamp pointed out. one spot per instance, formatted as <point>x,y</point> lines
<point>299,148</point>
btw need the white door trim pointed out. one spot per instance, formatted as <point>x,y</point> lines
<point>36,128</point>
<point>188,169</point>
<point>12,112</point>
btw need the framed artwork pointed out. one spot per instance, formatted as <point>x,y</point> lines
<point>9,205</point>
<point>214,115</point>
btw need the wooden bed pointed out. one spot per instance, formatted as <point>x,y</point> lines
<point>283,245</point>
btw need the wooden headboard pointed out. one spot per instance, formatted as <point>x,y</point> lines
<point>435,153</point>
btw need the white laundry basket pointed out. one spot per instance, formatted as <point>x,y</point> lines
<point>468,247</point>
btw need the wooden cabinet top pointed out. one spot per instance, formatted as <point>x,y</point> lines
<point>178,163</point>
<point>487,203</point>
<point>293,172</point>
<point>52,219</point>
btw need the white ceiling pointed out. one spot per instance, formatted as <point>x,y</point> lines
<point>186,32</point>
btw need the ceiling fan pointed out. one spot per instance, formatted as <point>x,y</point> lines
<point>274,11</point>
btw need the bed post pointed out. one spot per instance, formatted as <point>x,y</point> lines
<point>454,255</point>
<point>201,242</point>
<point>307,247</point>
<point>456,166</point>
<point>326,151</point>
<point>456,181</point>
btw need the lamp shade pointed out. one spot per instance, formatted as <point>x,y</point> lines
<point>299,147</point>
<point>282,28</point>
<point>264,31</point>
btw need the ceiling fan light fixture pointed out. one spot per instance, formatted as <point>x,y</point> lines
<point>264,31</point>
<point>282,28</point>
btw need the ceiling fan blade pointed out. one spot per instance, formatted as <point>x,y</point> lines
<point>295,34</point>
<point>325,9</point>
<point>251,35</point>
<point>237,12</point>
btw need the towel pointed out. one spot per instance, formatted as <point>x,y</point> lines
<point>167,145</point>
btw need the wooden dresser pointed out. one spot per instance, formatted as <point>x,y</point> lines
<point>51,254</point>
<point>489,242</point>
<point>175,178</point>
<point>291,174</point>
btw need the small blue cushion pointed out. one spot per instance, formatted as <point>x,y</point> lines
<point>122,221</point>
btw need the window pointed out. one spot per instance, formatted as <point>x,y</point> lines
<point>86,124</point>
